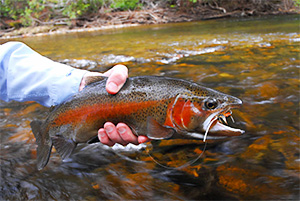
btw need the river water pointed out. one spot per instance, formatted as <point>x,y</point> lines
<point>255,59</point>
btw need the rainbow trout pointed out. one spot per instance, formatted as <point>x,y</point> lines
<point>158,107</point>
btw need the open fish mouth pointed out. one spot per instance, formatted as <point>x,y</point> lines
<point>222,118</point>
<point>217,125</point>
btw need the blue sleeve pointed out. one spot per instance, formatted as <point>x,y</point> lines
<point>25,75</point>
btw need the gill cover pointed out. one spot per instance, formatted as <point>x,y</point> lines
<point>184,114</point>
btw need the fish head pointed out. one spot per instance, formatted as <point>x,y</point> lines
<point>198,115</point>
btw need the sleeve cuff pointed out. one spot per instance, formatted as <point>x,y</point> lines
<point>67,84</point>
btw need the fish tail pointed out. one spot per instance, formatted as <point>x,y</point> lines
<point>44,144</point>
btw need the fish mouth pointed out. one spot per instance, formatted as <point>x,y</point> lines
<point>216,125</point>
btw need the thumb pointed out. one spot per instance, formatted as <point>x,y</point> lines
<point>116,78</point>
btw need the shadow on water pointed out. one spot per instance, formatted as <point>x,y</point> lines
<point>255,59</point>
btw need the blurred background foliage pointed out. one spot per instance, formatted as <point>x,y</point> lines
<point>37,12</point>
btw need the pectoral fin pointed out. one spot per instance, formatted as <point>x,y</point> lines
<point>156,131</point>
<point>94,139</point>
<point>63,146</point>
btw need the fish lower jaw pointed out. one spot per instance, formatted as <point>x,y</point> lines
<point>220,129</point>
<point>201,136</point>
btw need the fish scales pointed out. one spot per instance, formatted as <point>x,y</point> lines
<point>137,99</point>
<point>134,103</point>
<point>157,107</point>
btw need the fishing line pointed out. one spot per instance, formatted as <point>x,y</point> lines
<point>191,161</point>
<point>180,167</point>
<point>208,127</point>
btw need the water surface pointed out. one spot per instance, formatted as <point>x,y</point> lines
<point>255,59</point>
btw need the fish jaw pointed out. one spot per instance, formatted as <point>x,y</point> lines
<point>219,129</point>
<point>214,130</point>
<point>215,125</point>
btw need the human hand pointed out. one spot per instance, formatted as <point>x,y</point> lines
<point>121,134</point>
<point>111,134</point>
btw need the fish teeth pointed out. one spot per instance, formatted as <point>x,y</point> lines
<point>232,119</point>
<point>223,119</point>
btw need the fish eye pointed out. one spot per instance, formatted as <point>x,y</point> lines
<point>211,104</point>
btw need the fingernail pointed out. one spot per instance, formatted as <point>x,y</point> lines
<point>121,130</point>
<point>101,133</point>
<point>109,129</point>
<point>112,86</point>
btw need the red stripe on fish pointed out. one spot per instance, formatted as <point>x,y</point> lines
<point>90,113</point>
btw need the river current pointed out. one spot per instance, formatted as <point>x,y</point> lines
<point>254,59</point>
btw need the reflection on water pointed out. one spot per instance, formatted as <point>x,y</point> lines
<point>256,60</point>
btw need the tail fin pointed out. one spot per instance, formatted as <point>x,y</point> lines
<point>44,144</point>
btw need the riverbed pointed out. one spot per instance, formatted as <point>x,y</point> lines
<point>254,59</point>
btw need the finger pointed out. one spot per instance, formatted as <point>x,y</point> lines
<point>86,77</point>
<point>104,138</point>
<point>116,78</point>
<point>126,134</point>
<point>113,134</point>
<point>143,139</point>
<point>118,67</point>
